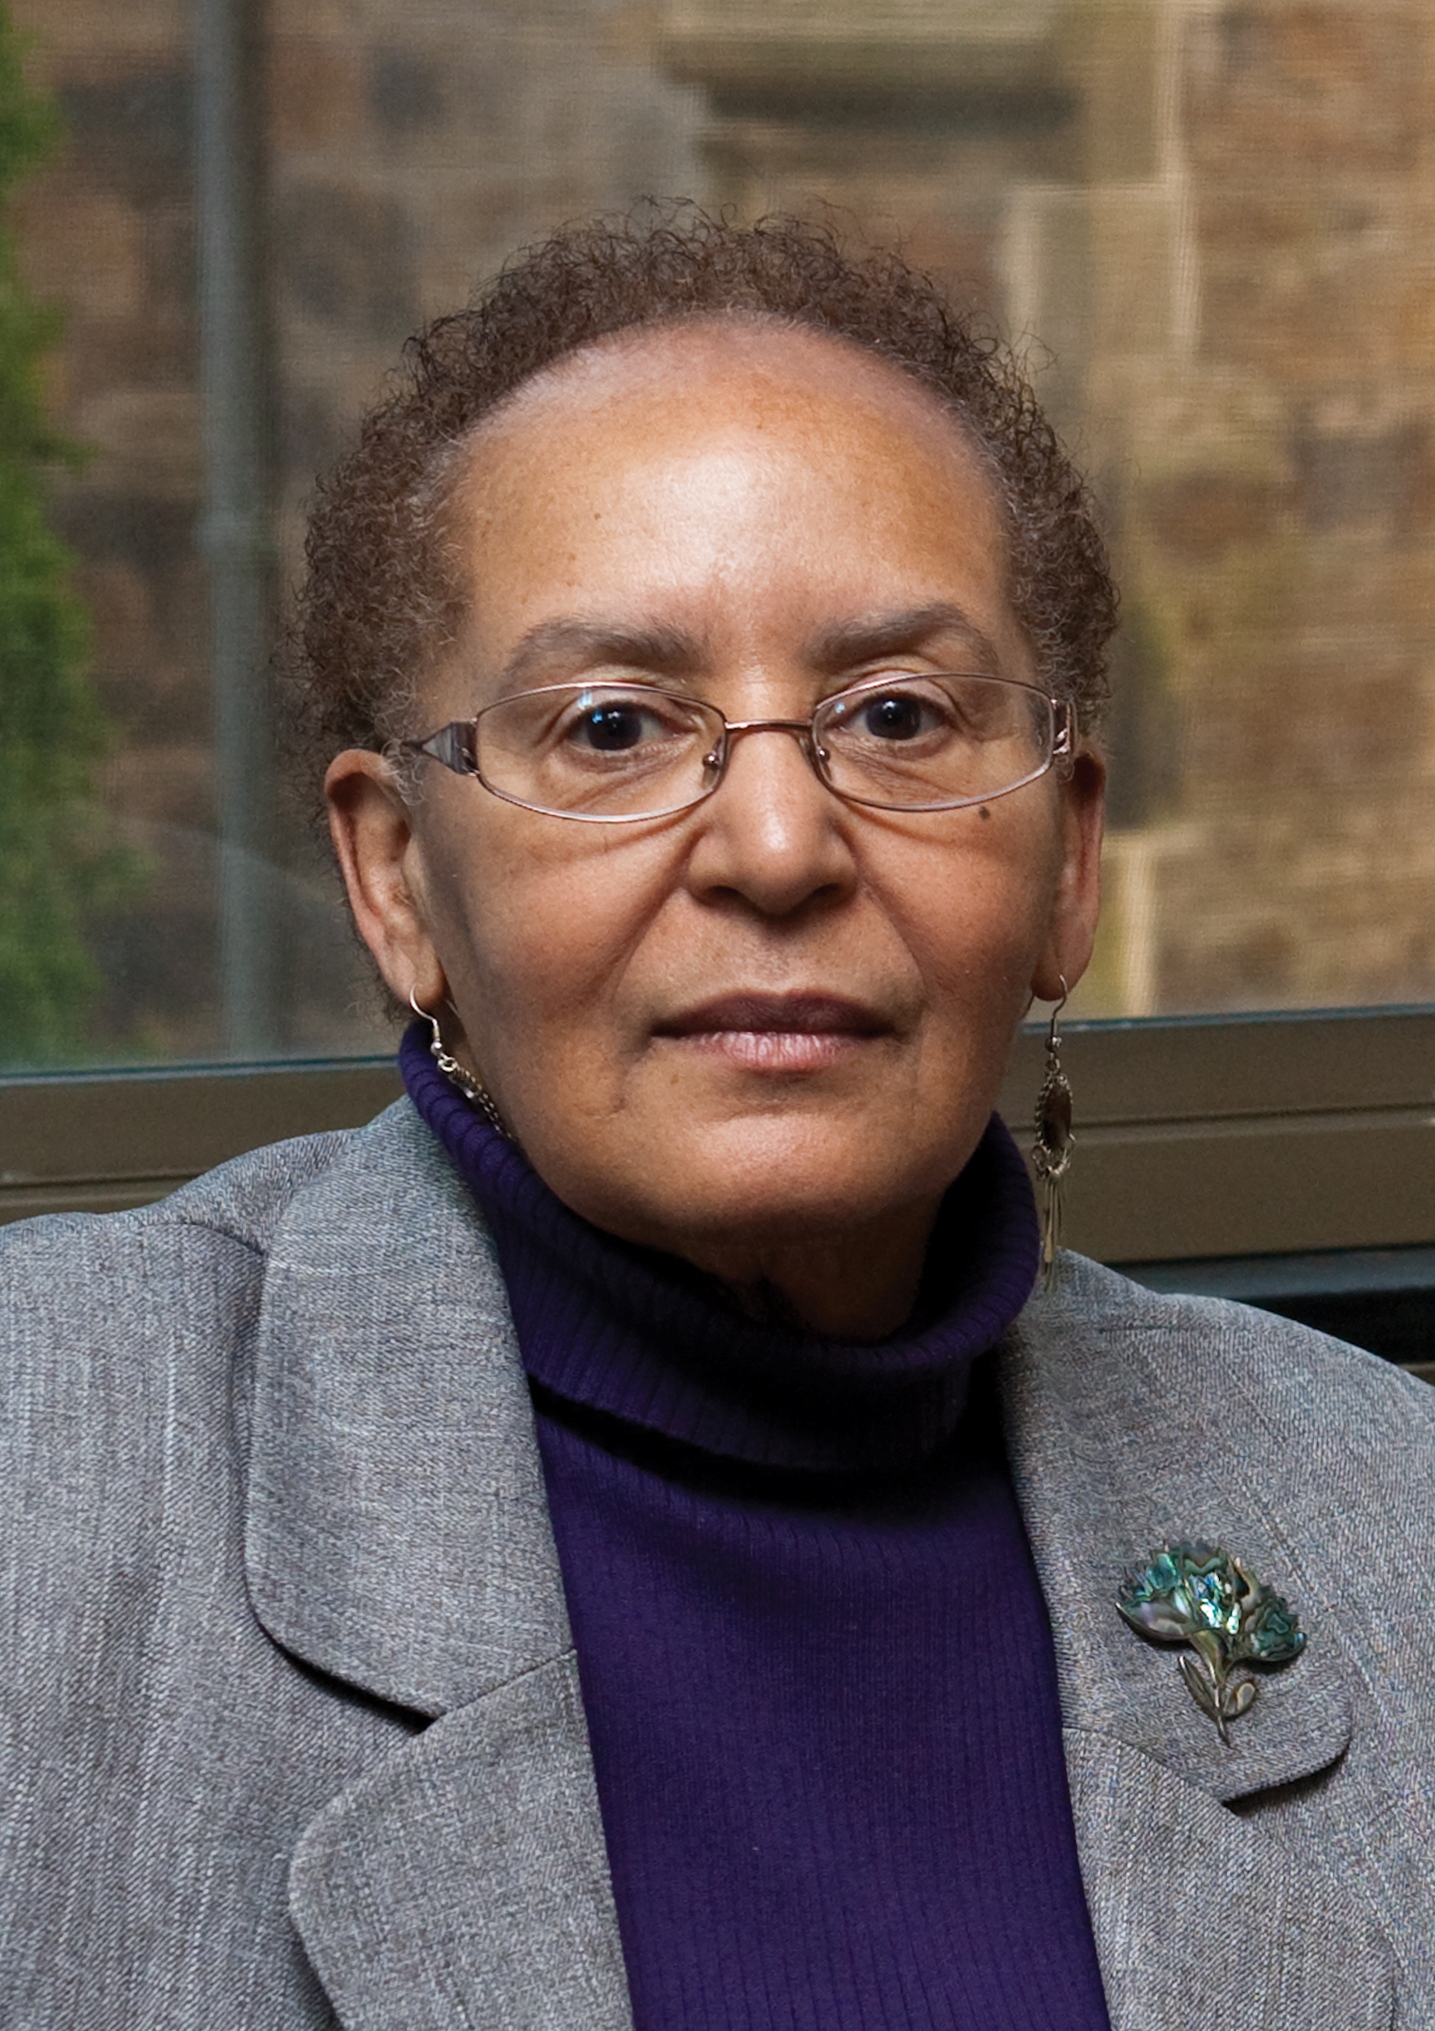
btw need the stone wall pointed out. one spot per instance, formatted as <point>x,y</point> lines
<point>1277,484</point>
<point>407,152</point>
<point>107,231</point>
<point>1210,220</point>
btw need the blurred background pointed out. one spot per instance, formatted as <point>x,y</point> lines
<point>1208,225</point>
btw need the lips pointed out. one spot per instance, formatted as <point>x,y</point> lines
<point>783,1035</point>
<point>829,1015</point>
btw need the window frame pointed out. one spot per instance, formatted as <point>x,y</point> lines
<point>1197,1137</point>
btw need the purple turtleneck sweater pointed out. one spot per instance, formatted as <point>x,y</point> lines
<point>815,1659</point>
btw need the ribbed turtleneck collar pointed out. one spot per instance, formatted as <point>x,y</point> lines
<point>643,1337</point>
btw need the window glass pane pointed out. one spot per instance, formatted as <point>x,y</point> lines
<point>1209,224</point>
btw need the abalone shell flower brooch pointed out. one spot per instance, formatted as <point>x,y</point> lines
<point>1200,1595</point>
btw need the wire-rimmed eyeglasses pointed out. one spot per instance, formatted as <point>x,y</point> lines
<point>611,754</point>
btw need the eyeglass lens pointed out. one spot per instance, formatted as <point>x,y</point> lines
<point>906,743</point>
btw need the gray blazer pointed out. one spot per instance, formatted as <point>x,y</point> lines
<point>272,1503</point>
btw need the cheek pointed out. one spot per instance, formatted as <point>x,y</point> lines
<point>534,934</point>
<point>977,915</point>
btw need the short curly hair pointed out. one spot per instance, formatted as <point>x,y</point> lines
<point>382,596</point>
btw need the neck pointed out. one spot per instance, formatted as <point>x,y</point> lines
<point>637,1335</point>
<point>859,1285</point>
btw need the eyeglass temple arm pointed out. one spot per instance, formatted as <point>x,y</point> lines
<point>453,745</point>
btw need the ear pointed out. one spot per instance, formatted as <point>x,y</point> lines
<point>372,830</point>
<point>1077,905</point>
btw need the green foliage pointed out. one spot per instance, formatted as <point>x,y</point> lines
<point>56,868</point>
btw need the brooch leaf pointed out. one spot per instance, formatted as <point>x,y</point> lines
<point>1199,1594</point>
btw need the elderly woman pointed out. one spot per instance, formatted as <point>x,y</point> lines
<point>616,1542</point>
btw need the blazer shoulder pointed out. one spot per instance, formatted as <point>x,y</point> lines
<point>79,1291</point>
<point>243,1201</point>
<point>1242,1346</point>
<point>1301,1412</point>
<point>127,1353</point>
<point>106,1320</point>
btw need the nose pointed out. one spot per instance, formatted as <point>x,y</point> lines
<point>771,833</point>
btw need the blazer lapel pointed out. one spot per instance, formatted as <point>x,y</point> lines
<point>397,1534</point>
<point>1203,1908</point>
<point>398,1541</point>
<point>464,1881</point>
<point>1201,1919</point>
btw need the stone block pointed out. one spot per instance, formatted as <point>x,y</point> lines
<point>315,93</point>
<point>344,257</point>
<point>163,783</point>
<point>1198,516</point>
<point>96,245</point>
<point>150,435</point>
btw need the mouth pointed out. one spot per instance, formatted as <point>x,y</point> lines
<point>778,1032</point>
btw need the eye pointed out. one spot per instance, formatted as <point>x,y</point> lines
<point>895,715</point>
<point>890,716</point>
<point>613,727</point>
<point>622,722</point>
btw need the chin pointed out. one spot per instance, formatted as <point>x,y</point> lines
<point>755,1185</point>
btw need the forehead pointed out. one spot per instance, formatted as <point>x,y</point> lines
<point>688,382</point>
<point>741,481</point>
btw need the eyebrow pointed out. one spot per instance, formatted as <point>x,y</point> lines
<point>667,651</point>
<point>867,636</point>
<point>675,653</point>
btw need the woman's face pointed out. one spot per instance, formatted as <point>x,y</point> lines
<point>776,1022</point>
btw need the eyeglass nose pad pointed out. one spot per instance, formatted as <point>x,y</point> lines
<point>716,760</point>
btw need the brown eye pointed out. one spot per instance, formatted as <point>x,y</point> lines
<point>611,728</point>
<point>894,716</point>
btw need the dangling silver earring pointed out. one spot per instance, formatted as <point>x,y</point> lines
<point>1051,1152</point>
<point>455,1073</point>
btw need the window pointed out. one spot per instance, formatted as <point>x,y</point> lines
<point>1206,222</point>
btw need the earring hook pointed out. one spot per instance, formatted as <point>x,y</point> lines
<point>458,1075</point>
